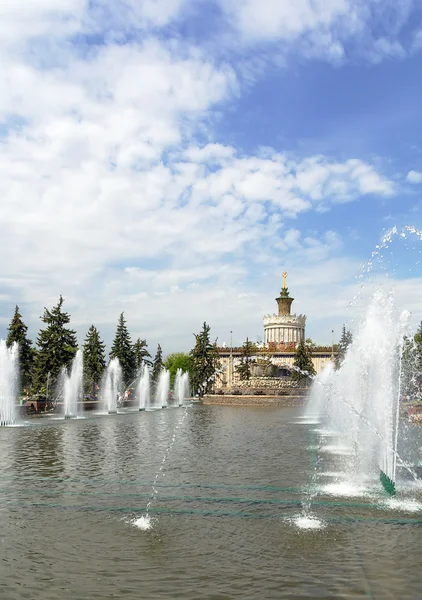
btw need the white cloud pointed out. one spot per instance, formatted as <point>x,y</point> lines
<point>108,197</point>
<point>414,177</point>
<point>285,20</point>
<point>333,30</point>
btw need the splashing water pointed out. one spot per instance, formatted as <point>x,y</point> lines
<point>181,387</point>
<point>73,386</point>
<point>360,401</point>
<point>144,387</point>
<point>145,523</point>
<point>307,522</point>
<point>111,385</point>
<point>379,257</point>
<point>9,375</point>
<point>163,388</point>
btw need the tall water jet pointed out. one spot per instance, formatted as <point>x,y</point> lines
<point>318,396</point>
<point>73,387</point>
<point>9,376</point>
<point>111,385</point>
<point>163,388</point>
<point>181,387</point>
<point>144,387</point>
<point>361,399</point>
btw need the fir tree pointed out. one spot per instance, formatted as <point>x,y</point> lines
<point>57,345</point>
<point>345,341</point>
<point>123,350</point>
<point>205,361</point>
<point>244,369</point>
<point>142,356</point>
<point>16,332</point>
<point>303,362</point>
<point>94,360</point>
<point>158,364</point>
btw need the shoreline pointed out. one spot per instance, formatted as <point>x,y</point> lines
<point>252,400</point>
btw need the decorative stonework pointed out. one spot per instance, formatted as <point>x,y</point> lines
<point>268,382</point>
<point>295,320</point>
<point>284,328</point>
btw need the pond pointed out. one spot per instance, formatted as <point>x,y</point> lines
<point>239,502</point>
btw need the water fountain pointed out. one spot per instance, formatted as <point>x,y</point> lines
<point>9,370</point>
<point>181,387</point>
<point>112,381</point>
<point>73,387</point>
<point>360,401</point>
<point>144,387</point>
<point>163,388</point>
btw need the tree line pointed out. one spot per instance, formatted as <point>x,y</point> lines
<point>40,365</point>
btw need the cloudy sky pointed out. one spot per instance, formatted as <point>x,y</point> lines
<point>170,158</point>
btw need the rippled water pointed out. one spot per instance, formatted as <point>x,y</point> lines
<point>227,518</point>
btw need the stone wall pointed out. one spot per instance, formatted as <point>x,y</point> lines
<point>263,386</point>
<point>280,401</point>
<point>274,383</point>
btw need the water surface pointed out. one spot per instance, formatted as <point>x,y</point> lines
<point>228,512</point>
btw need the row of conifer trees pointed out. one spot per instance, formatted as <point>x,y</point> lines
<point>56,345</point>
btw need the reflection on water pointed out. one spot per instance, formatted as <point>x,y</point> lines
<point>227,521</point>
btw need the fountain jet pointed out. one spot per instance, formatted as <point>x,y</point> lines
<point>181,387</point>
<point>361,399</point>
<point>9,376</point>
<point>73,386</point>
<point>111,385</point>
<point>163,388</point>
<point>144,387</point>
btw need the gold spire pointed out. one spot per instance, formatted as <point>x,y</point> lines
<point>284,275</point>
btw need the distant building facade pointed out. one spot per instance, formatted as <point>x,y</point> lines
<point>284,328</point>
<point>276,355</point>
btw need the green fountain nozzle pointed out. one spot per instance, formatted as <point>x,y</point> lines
<point>387,484</point>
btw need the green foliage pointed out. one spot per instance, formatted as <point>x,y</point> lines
<point>303,361</point>
<point>345,341</point>
<point>94,360</point>
<point>57,346</point>
<point>17,332</point>
<point>157,365</point>
<point>178,360</point>
<point>205,361</point>
<point>411,384</point>
<point>123,350</point>
<point>244,368</point>
<point>141,353</point>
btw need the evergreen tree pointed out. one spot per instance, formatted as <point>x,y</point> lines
<point>244,369</point>
<point>57,346</point>
<point>94,360</point>
<point>345,341</point>
<point>16,332</point>
<point>123,350</point>
<point>205,361</point>
<point>157,365</point>
<point>141,353</point>
<point>303,362</point>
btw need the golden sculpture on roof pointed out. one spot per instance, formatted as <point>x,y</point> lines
<point>284,275</point>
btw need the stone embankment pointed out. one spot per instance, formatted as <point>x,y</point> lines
<point>288,397</point>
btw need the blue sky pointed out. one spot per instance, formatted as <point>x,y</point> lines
<point>170,158</point>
